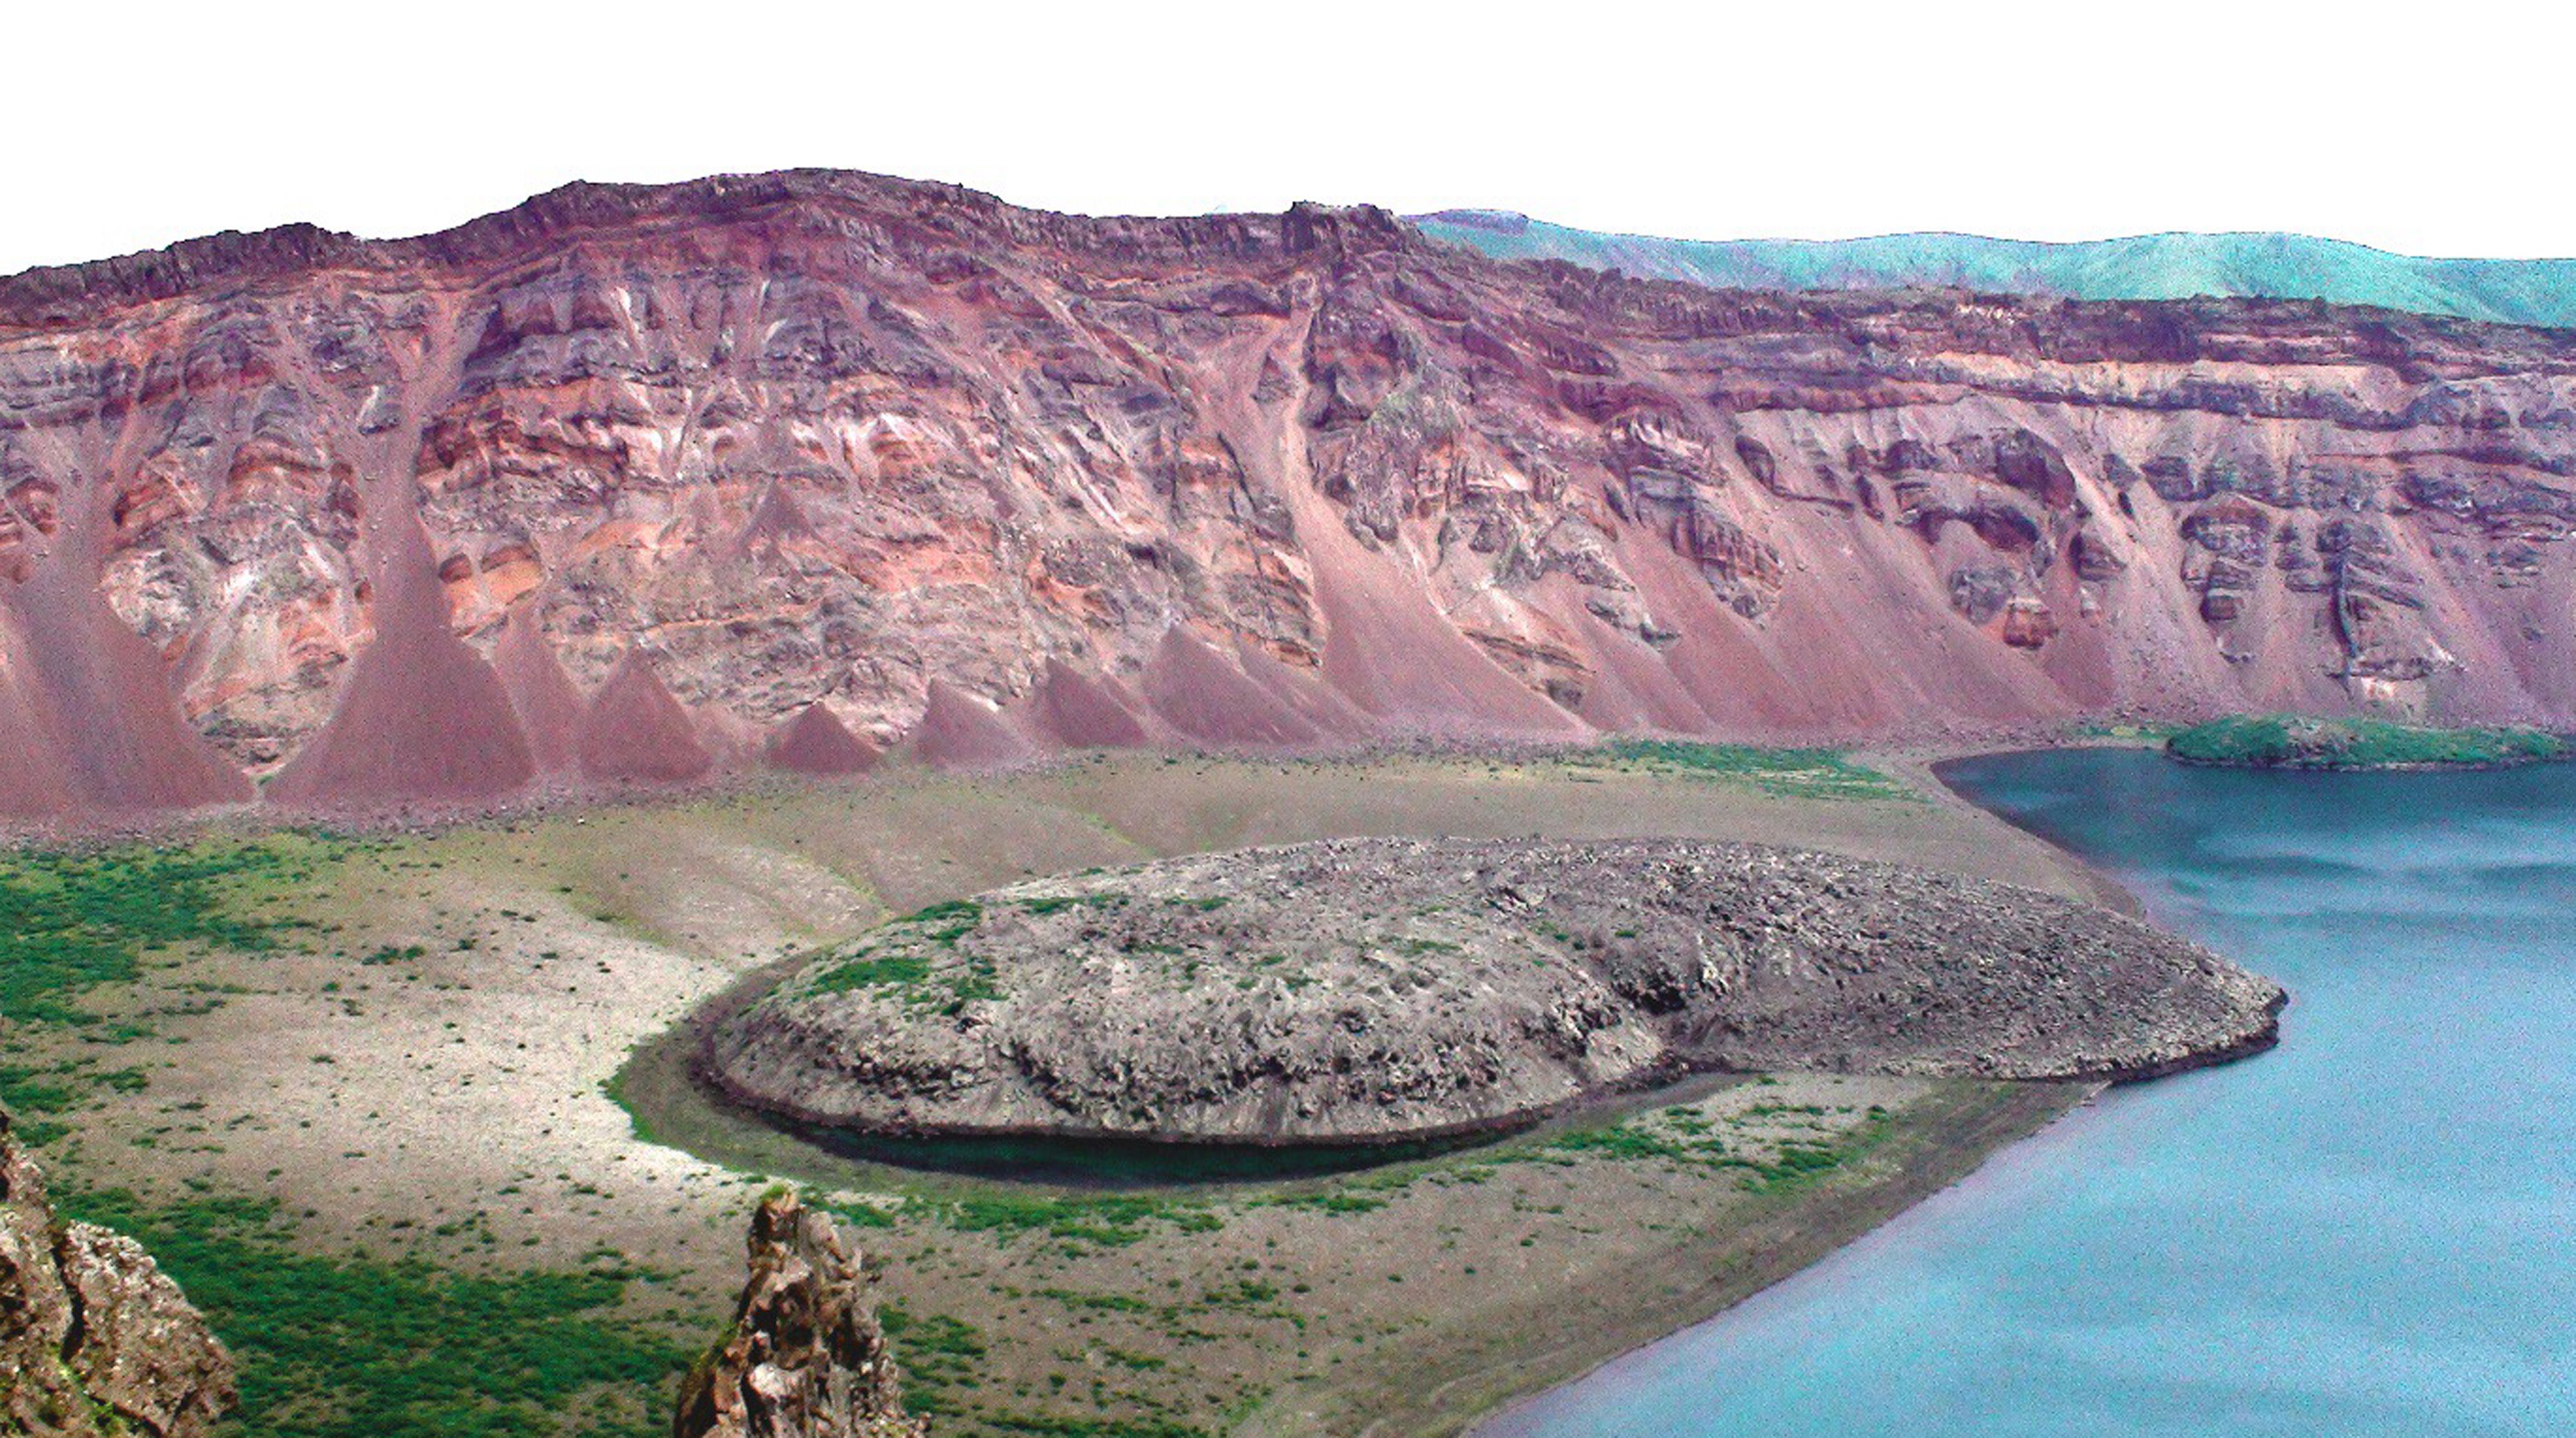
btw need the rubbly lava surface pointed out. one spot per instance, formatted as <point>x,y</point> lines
<point>1365,990</point>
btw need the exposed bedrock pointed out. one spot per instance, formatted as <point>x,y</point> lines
<point>804,1356</point>
<point>95,1340</point>
<point>1382,988</point>
<point>621,485</point>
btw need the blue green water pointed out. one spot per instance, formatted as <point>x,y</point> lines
<point>2369,1231</point>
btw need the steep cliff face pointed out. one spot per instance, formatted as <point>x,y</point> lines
<point>805,1357</point>
<point>94,1339</point>
<point>636,484</point>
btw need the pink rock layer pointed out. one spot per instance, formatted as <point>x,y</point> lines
<point>380,521</point>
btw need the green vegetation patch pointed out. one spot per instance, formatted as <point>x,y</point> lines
<point>915,960</point>
<point>73,920</point>
<point>1340,1200</point>
<point>938,1355</point>
<point>1786,773</point>
<point>945,923</point>
<point>875,971</point>
<point>1056,903</point>
<point>363,1348</point>
<point>2142,733</point>
<point>2290,741</point>
<point>1685,1138</point>
<point>1105,1220</point>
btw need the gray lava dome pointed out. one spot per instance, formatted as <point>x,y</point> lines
<point>1388,989</point>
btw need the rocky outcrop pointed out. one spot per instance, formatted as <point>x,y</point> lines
<point>1380,989</point>
<point>94,1339</point>
<point>805,1357</point>
<point>614,486</point>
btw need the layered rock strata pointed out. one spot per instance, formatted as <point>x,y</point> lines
<point>635,485</point>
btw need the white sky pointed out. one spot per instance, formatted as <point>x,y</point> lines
<point>129,127</point>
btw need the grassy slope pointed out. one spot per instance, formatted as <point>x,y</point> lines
<point>2293,742</point>
<point>2150,267</point>
<point>342,1345</point>
<point>329,1344</point>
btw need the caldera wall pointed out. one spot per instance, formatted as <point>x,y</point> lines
<point>897,448</point>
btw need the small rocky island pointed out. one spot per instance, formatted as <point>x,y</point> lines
<point>2293,741</point>
<point>1373,990</point>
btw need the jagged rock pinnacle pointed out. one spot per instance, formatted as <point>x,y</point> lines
<point>805,1357</point>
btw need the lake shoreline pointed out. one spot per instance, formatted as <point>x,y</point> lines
<point>1925,768</point>
<point>1480,1379</point>
<point>1952,1153</point>
<point>494,978</point>
<point>2198,1236</point>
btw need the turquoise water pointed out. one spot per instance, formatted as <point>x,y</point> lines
<point>2369,1231</point>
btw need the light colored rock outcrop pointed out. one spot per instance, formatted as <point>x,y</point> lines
<point>94,1339</point>
<point>805,1357</point>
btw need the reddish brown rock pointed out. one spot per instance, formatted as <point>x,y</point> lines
<point>33,785</point>
<point>2028,624</point>
<point>91,704</point>
<point>550,707</point>
<point>636,732</point>
<point>826,433</point>
<point>959,730</point>
<point>423,716</point>
<point>1204,695</point>
<point>1078,711</point>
